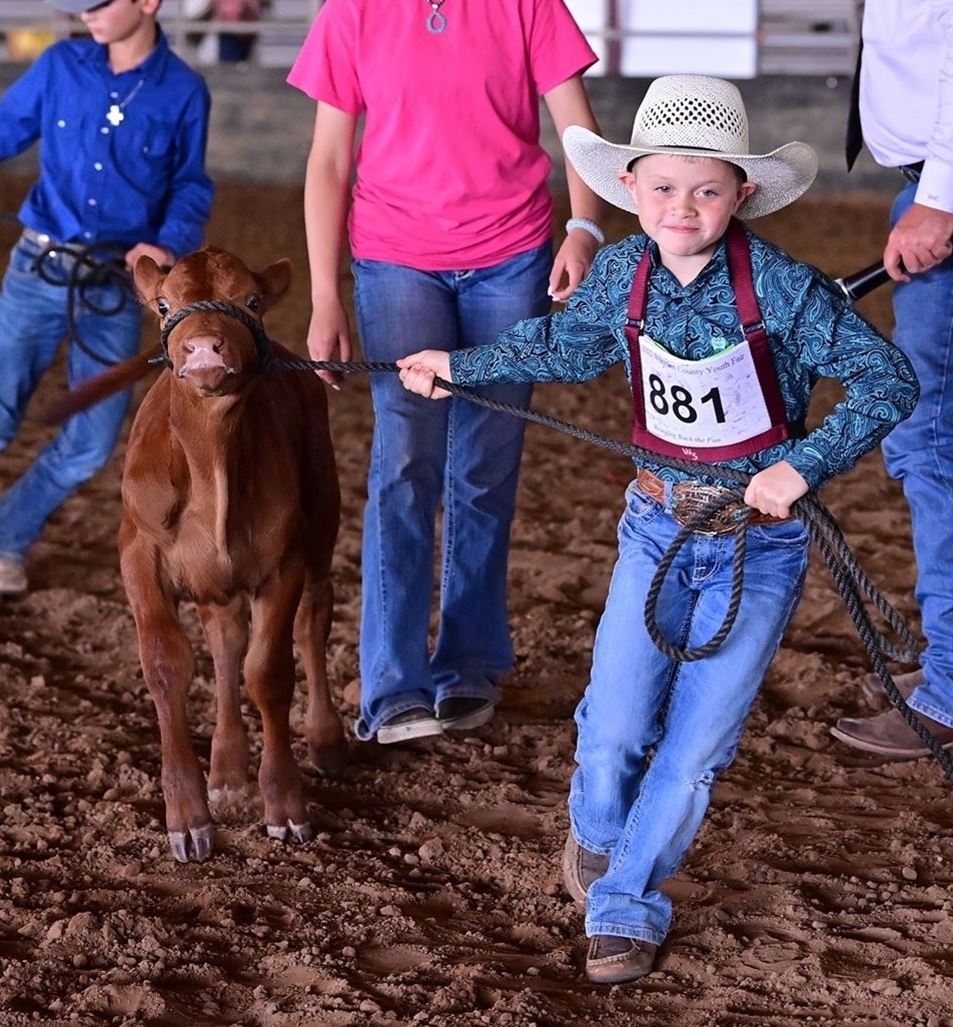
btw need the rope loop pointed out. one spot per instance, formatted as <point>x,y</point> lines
<point>93,267</point>
<point>737,582</point>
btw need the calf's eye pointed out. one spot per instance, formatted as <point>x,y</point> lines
<point>162,306</point>
<point>253,303</point>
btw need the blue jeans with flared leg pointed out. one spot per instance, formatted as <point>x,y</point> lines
<point>653,733</point>
<point>423,451</point>
<point>919,453</point>
<point>33,321</point>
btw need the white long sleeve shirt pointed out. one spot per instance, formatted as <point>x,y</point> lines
<point>906,91</point>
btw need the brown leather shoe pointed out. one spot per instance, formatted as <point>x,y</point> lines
<point>613,960</point>
<point>906,684</point>
<point>887,734</point>
<point>580,868</point>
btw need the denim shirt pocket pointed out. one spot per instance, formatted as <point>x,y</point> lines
<point>153,151</point>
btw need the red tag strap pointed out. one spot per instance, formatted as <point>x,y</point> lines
<point>638,299</point>
<point>752,323</point>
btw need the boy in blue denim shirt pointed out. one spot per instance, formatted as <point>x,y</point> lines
<point>123,124</point>
<point>723,336</point>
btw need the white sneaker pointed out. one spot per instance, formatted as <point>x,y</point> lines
<point>12,576</point>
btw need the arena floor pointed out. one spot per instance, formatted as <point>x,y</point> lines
<point>818,891</point>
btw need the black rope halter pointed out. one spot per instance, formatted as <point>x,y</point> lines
<point>266,357</point>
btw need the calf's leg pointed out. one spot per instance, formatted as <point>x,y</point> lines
<point>226,632</point>
<point>269,678</point>
<point>323,729</point>
<point>167,666</point>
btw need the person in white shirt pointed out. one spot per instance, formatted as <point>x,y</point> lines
<point>906,116</point>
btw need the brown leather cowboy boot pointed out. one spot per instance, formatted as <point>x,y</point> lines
<point>613,960</point>
<point>888,735</point>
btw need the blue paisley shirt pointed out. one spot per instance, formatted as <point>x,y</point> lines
<point>814,333</point>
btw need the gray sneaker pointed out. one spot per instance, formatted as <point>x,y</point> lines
<point>416,723</point>
<point>464,714</point>
<point>12,577</point>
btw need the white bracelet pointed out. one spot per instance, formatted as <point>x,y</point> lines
<point>587,225</point>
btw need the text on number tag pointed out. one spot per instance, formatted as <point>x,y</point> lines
<point>716,401</point>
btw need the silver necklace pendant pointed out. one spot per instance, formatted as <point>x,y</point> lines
<point>116,114</point>
<point>437,22</point>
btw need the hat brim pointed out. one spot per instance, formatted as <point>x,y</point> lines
<point>781,175</point>
<point>72,6</point>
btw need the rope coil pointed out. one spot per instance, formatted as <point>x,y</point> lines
<point>87,273</point>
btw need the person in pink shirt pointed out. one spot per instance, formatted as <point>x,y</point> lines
<point>450,229</point>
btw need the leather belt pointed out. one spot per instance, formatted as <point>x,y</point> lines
<point>689,498</point>
<point>42,239</point>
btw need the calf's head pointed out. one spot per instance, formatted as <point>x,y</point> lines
<point>212,351</point>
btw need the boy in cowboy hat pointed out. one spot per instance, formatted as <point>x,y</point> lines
<point>722,335</point>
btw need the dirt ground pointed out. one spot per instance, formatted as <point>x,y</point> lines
<point>817,892</point>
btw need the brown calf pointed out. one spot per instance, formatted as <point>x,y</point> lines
<point>230,499</point>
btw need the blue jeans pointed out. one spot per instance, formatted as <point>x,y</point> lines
<point>919,453</point>
<point>422,451</point>
<point>653,734</point>
<point>32,324</point>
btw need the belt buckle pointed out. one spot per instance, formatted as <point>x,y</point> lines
<point>37,238</point>
<point>909,173</point>
<point>691,497</point>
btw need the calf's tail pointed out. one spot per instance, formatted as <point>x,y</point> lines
<point>98,388</point>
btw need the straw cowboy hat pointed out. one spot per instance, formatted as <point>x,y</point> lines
<point>698,116</point>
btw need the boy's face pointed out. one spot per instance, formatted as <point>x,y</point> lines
<point>685,203</point>
<point>116,20</point>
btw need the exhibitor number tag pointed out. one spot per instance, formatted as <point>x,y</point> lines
<point>716,401</point>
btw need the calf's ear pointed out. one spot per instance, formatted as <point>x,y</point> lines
<point>148,277</point>
<point>274,281</point>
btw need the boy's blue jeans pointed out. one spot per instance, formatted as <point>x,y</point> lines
<point>919,452</point>
<point>32,324</point>
<point>422,451</point>
<point>644,810</point>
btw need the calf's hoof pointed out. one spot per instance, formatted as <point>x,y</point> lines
<point>300,833</point>
<point>202,844</point>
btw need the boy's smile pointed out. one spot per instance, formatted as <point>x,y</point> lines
<point>684,205</point>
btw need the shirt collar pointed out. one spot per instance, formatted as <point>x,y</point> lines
<point>152,68</point>
<point>669,285</point>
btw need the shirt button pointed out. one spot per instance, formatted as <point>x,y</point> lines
<point>113,96</point>
<point>97,166</point>
<point>87,235</point>
<point>61,123</point>
<point>91,202</point>
<point>104,130</point>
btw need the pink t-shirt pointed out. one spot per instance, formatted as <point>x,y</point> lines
<point>450,173</point>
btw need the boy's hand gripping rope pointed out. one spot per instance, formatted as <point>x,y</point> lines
<point>851,581</point>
